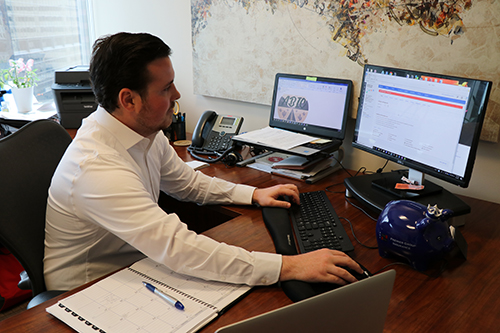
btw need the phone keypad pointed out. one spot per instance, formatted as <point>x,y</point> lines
<point>218,141</point>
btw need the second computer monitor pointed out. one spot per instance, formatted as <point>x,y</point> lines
<point>428,122</point>
<point>311,105</point>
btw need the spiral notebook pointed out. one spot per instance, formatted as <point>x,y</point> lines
<point>121,303</point>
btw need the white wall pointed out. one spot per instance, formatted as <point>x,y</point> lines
<point>171,21</point>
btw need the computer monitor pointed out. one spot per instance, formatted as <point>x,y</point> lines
<point>316,106</point>
<point>427,122</point>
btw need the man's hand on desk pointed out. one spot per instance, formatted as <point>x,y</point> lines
<point>268,197</point>
<point>319,266</point>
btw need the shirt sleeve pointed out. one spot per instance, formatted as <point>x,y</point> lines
<point>183,183</point>
<point>119,202</point>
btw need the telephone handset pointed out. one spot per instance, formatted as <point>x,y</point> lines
<point>213,135</point>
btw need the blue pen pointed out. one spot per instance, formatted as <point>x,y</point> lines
<point>169,299</point>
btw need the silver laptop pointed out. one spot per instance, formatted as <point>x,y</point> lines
<point>316,106</point>
<point>357,307</point>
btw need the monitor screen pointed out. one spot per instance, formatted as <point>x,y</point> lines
<point>314,106</point>
<point>427,122</point>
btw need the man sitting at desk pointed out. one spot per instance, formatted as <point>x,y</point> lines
<point>102,211</point>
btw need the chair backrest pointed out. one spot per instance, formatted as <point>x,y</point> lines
<point>28,159</point>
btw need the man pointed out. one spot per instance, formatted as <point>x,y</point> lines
<point>102,211</point>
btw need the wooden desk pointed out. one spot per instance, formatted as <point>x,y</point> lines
<point>464,298</point>
<point>72,132</point>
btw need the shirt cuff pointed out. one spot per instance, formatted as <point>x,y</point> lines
<point>267,268</point>
<point>244,195</point>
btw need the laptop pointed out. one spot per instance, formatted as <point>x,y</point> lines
<point>357,307</point>
<point>315,106</point>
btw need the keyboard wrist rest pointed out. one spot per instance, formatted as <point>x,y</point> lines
<point>278,224</point>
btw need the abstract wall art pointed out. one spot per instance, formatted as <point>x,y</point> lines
<point>239,45</point>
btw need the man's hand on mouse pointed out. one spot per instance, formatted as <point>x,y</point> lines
<point>268,197</point>
<point>319,266</point>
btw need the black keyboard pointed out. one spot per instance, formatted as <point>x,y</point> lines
<point>317,225</point>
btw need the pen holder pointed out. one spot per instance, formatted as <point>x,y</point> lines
<point>176,131</point>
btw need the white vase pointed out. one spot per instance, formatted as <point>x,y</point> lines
<point>23,98</point>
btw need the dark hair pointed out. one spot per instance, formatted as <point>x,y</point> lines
<point>119,61</point>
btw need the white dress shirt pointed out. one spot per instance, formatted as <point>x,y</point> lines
<point>102,211</point>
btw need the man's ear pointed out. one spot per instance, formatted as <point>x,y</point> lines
<point>129,99</point>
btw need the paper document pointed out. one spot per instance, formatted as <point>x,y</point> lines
<point>197,165</point>
<point>274,137</point>
<point>121,302</point>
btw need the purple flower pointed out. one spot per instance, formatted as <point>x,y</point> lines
<point>11,75</point>
<point>29,65</point>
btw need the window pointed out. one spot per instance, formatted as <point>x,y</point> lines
<point>54,33</point>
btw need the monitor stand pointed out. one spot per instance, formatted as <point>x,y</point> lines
<point>374,191</point>
<point>389,184</point>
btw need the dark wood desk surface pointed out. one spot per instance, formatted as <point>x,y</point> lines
<point>464,298</point>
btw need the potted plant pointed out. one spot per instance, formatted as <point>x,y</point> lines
<point>21,77</point>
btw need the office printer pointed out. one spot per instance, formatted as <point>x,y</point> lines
<point>74,97</point>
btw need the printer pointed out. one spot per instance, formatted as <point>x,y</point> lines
<point>73,94</point>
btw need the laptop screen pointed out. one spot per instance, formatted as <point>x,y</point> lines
<point>310,105</point>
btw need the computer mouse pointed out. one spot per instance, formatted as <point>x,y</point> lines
<point>299,290</point>
<point>357,275</point>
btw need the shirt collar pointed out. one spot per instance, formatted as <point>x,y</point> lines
<point>123,134</point>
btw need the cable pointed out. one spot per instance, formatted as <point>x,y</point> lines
<point>194,152</point>
<point>363,170</point>
<point>356,238</point>
<point>327,189</point>
<point>346,170</point>
<point>341,165</point>
<point>359,170</point>
<point>361,209</point>
<point>379,170</point>
<point>392,264</point>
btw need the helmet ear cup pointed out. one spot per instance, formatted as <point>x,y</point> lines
<point>232,158</point>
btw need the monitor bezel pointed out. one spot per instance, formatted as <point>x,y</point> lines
<point>312,130</point>
<point>426,169</point>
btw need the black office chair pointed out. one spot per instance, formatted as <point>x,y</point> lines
<point>28,159</point>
